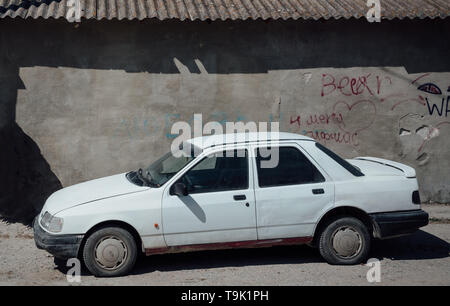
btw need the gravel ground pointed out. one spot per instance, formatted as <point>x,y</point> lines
<point>419,259</point>
<point>438,212</point>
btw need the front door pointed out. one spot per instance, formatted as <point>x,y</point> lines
<point>220,205</point>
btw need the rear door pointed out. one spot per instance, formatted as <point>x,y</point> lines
<point>291,196</point>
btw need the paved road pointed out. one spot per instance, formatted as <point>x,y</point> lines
<point>419,259</point>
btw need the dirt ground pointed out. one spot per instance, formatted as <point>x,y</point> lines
<point>418,259</point>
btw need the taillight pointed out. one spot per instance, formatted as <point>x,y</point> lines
<point>416,197</point>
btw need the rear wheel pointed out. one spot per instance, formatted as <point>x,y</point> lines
<point>345,241</point>
<point>110,251</point>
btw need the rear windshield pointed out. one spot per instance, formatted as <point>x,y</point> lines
<point>349,167</point>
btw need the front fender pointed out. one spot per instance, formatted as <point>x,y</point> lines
<point>140,210</point>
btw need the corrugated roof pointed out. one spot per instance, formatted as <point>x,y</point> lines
<point>224,9</point>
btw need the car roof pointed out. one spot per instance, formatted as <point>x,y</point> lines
<point>204,142</point>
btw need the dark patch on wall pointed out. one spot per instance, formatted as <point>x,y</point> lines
<point>26,179</point>
<point>230,46</point>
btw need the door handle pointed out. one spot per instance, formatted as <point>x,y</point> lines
<point>318,191</point>
<point>239,197</point>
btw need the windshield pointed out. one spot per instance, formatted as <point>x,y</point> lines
<point>163,169</point>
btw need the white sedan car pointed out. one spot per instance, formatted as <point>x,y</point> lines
<point>225,198</point>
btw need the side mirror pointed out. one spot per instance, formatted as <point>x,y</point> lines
<point>179,189</point>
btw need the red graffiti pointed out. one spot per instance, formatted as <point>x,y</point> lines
<point>420,100</point>
<point>430,88</point>
<point>430,132</point>
<point>352,86</point>
<point>296,120</point>
<point>422,76</point>
<point>391,96</point>
<point>380,82</point>
<point>369,112</point>
<point>317,119</point>
<point>338,137</point>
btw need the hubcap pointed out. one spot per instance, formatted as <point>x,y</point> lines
<point>347,242</point>
<point>111,253</point>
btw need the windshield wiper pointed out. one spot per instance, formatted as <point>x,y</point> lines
<point>145,180</point>
<point>149,178</point>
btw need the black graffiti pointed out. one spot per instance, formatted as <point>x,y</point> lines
<point>439,110</point>
<point>430,88</point>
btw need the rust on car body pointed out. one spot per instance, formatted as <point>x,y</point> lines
<point>228,245</point>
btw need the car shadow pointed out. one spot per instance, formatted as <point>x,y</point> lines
<point>227,258</point>
<point>194,207</point>
<point>418,246</point>
<point>215,259</point>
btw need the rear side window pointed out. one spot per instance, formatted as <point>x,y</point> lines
<point>293,168</point>
<point>349,167</point>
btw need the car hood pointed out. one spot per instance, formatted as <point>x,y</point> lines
<point>90,191</point>
<point>373,166</point>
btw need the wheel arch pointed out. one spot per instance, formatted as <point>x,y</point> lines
<point>116,223</point>
<point>336,212</point>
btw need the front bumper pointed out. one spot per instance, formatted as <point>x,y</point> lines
<point>392,224</point>
<point>61,246</point>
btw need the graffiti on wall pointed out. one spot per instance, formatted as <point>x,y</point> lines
<point>354,102</point>
<point>341,124</point>
<point>310,126</point>
<point>437,107</point>
<point>354,85</point>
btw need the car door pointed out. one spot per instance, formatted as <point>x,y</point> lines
<point>291,196</point>
<point>220,205</point>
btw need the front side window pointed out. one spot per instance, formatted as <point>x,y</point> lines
<point>293,168</point>
<point>227,170</point>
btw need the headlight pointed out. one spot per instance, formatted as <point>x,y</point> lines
<point>52,223</point>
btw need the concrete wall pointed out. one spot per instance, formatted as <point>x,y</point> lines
<point>89,101</point>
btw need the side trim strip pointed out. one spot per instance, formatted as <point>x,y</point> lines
<point>214,230</point>
<point>228,245</point>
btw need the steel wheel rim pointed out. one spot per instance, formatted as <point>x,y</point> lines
<point>110,252</point>
<point>347,242</point>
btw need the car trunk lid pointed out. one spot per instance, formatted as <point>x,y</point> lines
<point>373,166</point>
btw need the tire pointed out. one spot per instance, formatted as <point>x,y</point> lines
<point>110,252</point>
<point>345,241</point>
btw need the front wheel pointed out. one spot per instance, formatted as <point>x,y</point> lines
<point>345,241</point>
<point>110,251</point>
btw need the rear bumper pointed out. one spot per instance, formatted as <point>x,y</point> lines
<point>61,246</point>
<point>391,224</point>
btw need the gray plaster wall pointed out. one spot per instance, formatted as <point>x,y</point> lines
<point>86,101</point>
